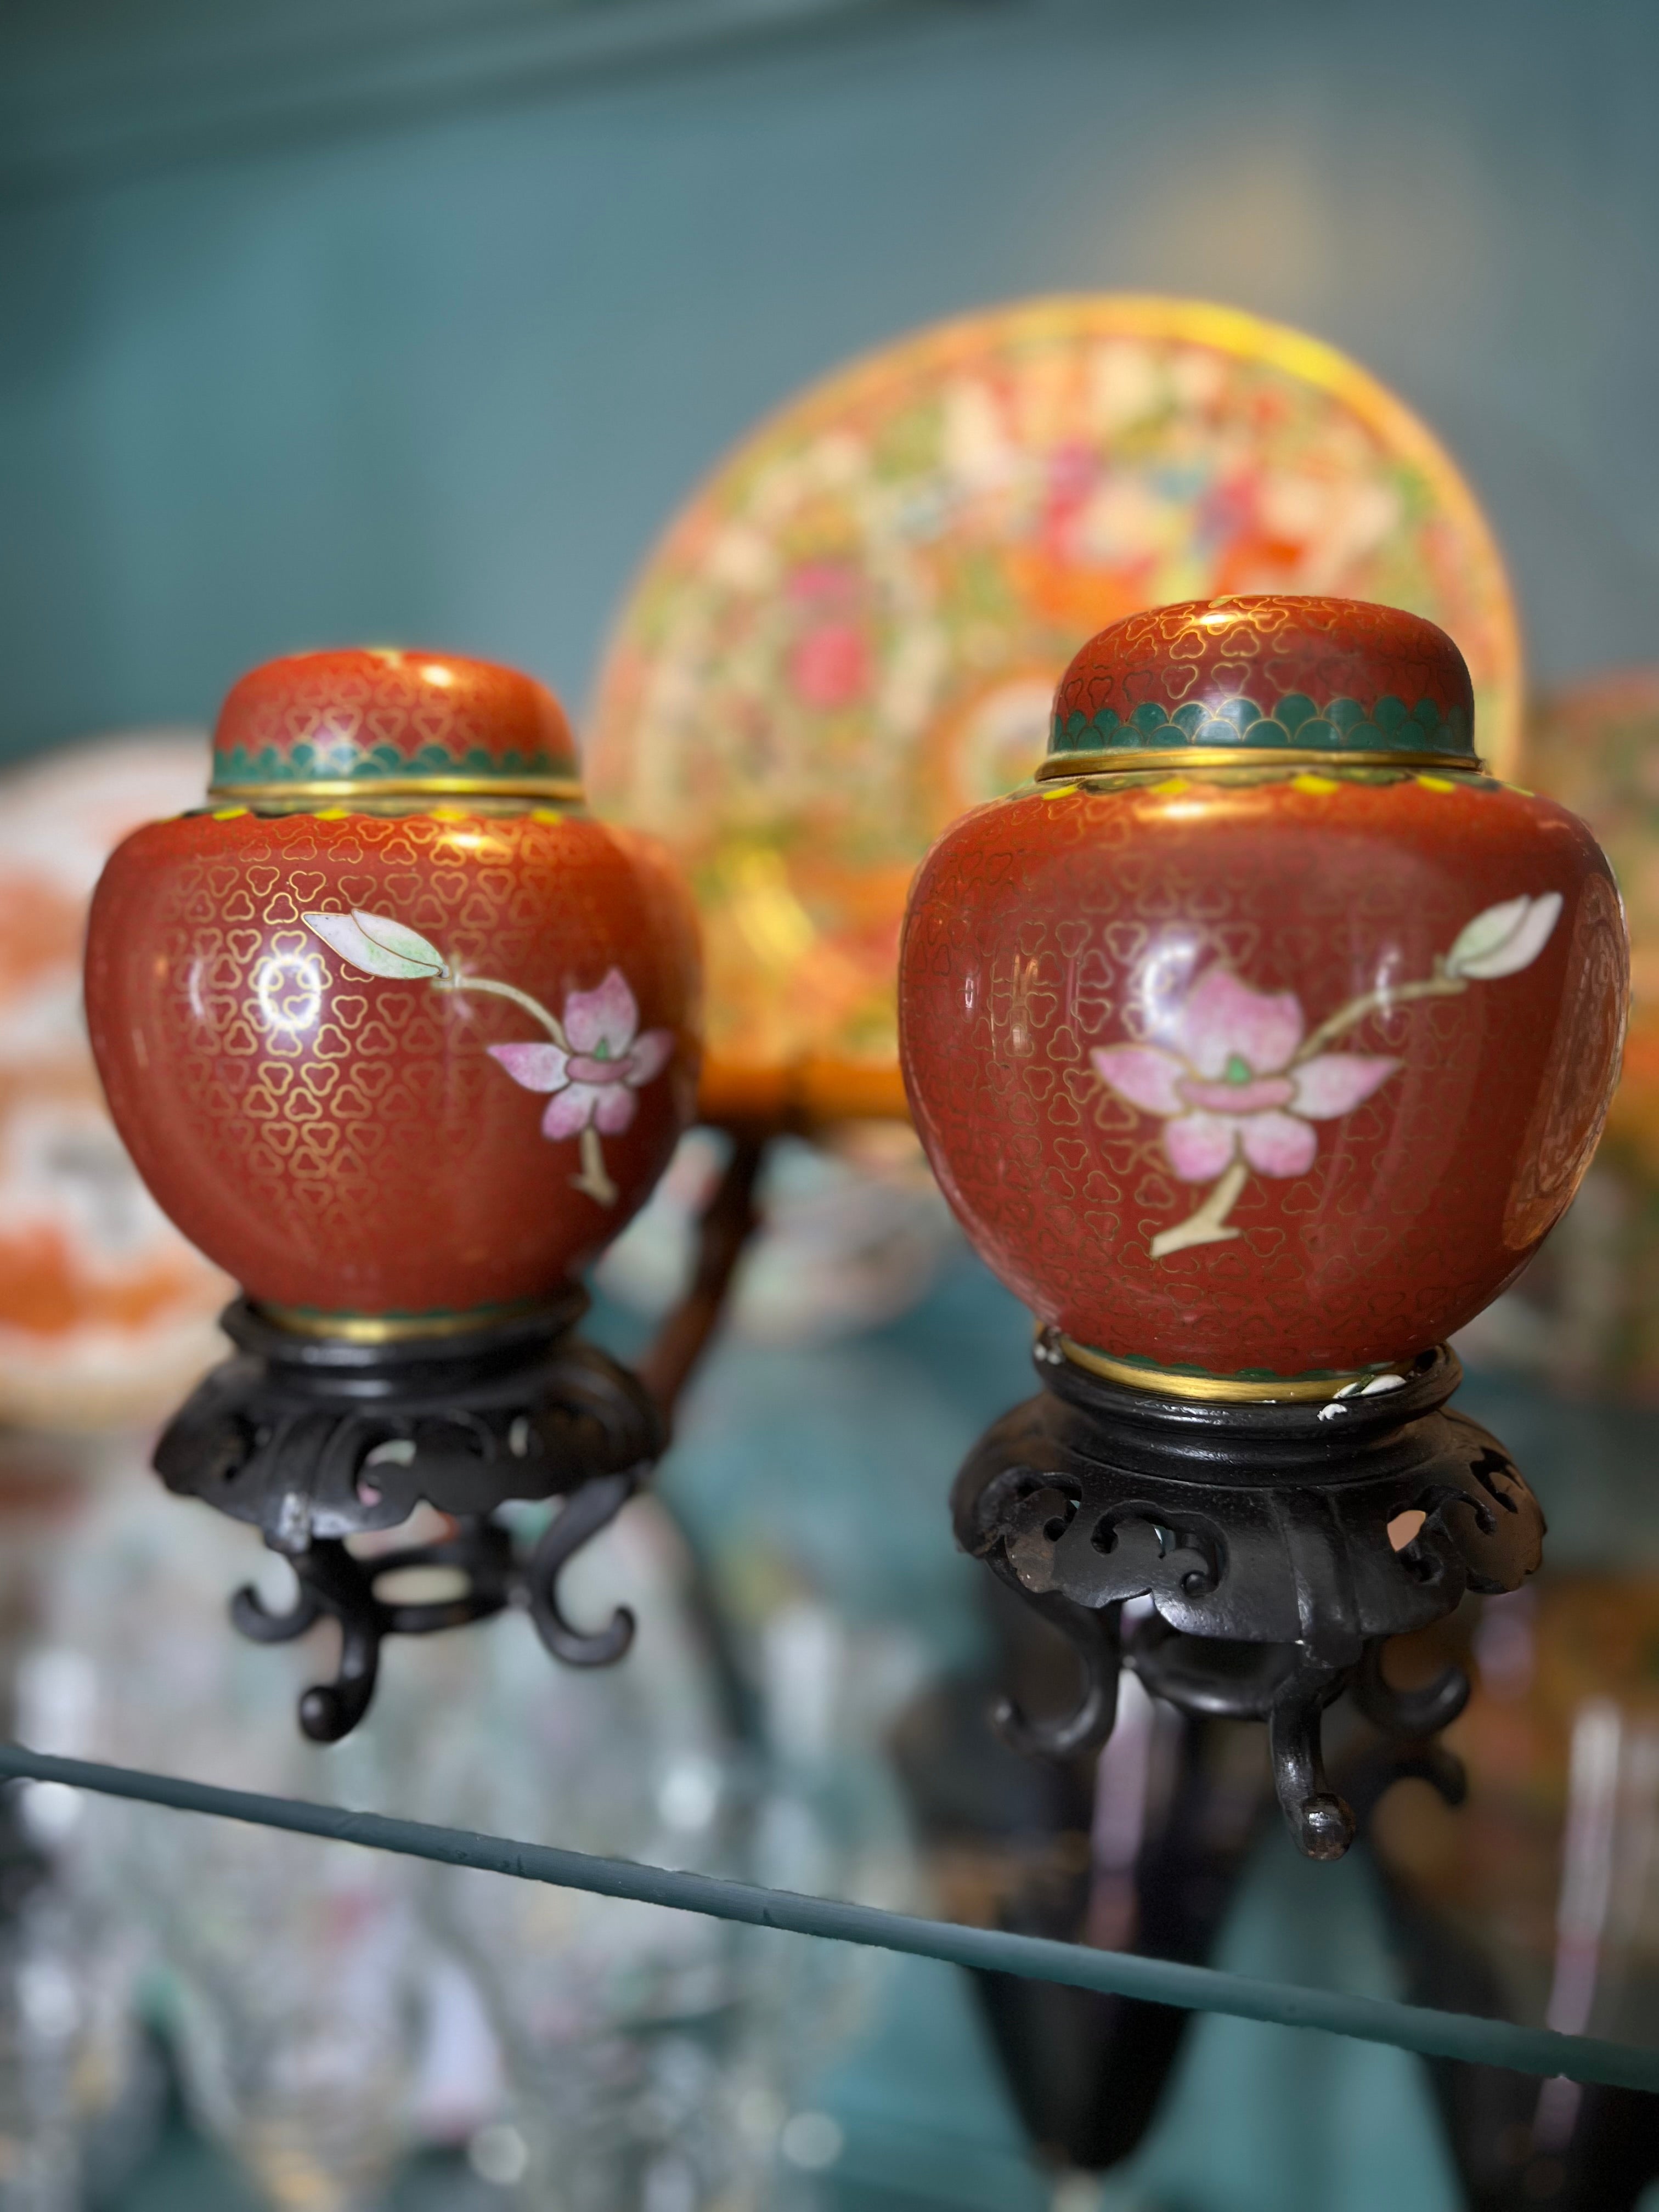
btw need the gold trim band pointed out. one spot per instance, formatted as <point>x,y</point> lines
<point>1122,761</point>
<point>379,1328</point>
<point>1212,1389</point>
<point>406,787</point>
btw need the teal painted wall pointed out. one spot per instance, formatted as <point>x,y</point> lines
<point>444,379</point>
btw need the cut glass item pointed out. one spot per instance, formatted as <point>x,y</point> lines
<point>335,2008</point>
<point>853,630</point>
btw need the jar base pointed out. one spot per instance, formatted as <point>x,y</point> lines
<point>1245,1389</point>
<point>407,1328</point>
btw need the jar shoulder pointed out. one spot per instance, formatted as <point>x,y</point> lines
<point>1370,832</point>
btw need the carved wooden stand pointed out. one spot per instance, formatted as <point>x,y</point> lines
<point>315,1440</point>
<point>1280,1545</point>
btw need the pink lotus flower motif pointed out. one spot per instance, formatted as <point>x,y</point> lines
<point>594,1082</point>
<point>1224,1077</point>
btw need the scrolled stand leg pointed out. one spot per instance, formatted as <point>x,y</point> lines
<point>1421,1712</point>
<point>331,1584</point>
<point>329,1710</point>
<point>1277,1547</point>
<point>1319,1820</point>
<point>317,1440</point>
<point>579,1520</point>
<point>336,1584</point>
<point>250,1616</point>
<point>1094,1637</point>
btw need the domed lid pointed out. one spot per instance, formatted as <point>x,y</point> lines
<point>320,725</point>
<point>1245,676</point>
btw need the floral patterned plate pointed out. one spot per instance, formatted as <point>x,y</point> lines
<point>852,631</point>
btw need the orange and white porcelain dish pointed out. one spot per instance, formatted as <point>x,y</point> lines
<point>106,1313</point>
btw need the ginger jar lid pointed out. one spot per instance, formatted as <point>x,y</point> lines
<point>1208,680</point>
<point>379,719</point>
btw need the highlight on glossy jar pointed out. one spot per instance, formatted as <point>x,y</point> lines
<point>1259,1042</point>
<point>395,1032</point>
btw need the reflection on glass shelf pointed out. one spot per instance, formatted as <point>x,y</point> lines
<point>1538,1900</point>
<point>813,1481</point>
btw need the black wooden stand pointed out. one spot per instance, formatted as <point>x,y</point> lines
<point>1280,1543</point>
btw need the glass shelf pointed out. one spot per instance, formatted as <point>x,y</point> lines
<point>812,1480</point>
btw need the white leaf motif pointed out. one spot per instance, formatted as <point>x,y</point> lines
<point>1504,939</point>
<point>382,946</point>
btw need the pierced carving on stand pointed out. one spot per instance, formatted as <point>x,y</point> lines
<point>1105,1557</point>
<point>1269,1547</point>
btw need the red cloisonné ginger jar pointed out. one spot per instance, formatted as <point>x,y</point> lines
<point>394,1031</point>
<point>1260,1041</point>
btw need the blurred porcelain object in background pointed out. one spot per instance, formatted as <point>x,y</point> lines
<point>1586,1313</point>
<point>852,631</point>
<point>106,1313</point>
<point>853,1231</point>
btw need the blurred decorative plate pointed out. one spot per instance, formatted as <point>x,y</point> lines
<point>1586,1312</point>
<point>107,1315</point>
<point>1594,745</point>
<point>852,632</point>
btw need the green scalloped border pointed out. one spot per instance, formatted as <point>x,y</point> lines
<point>1343,725</point>
<point>307,764</point>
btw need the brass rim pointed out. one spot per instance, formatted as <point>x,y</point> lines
<point>379,1328</point>
<point>1213,1389</point>
<point>1124,762</point>
<point>406,787</point>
